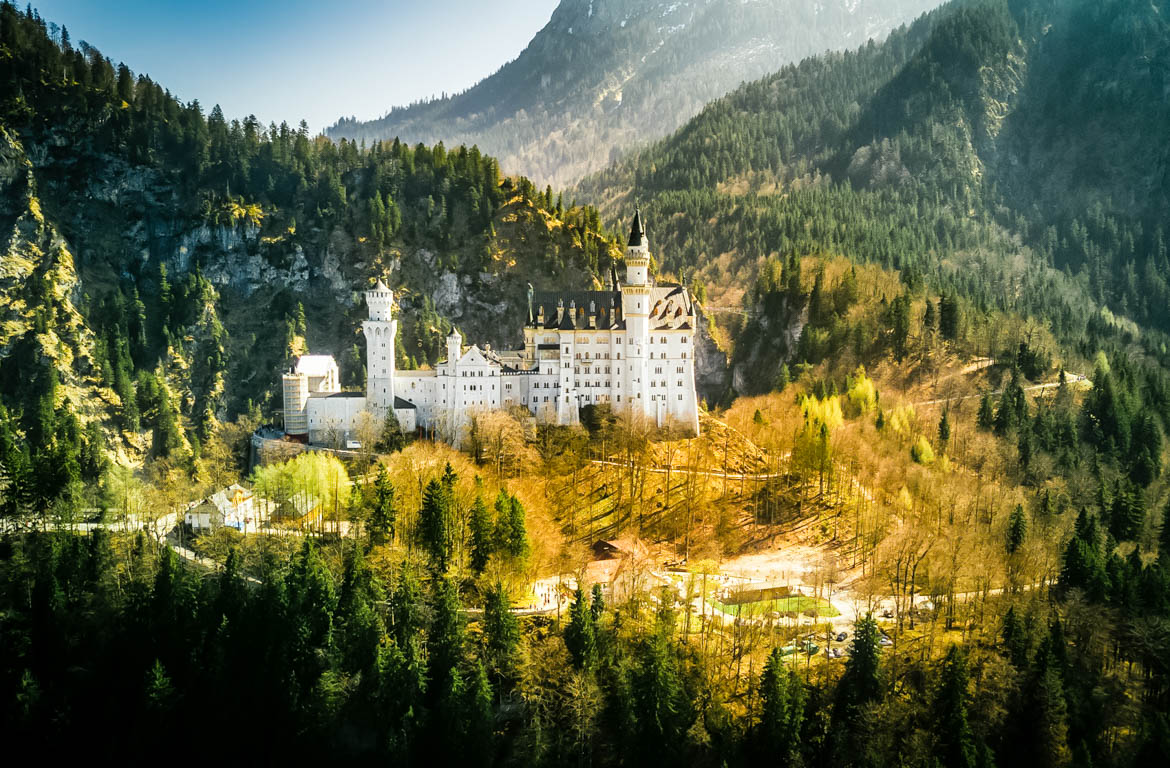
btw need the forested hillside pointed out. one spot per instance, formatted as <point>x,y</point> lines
<point>606,75</point>
<point>162,264</point>
<point>929,527</point>
<point>1000,151</point>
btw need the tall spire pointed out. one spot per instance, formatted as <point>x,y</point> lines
<point>637,231</point>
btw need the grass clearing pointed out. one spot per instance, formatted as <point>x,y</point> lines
<point>796,604</point>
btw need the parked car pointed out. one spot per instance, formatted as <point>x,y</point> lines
<point>885,641</point>
<point>841,636</point>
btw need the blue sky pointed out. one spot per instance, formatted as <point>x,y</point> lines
<point>301,59</point>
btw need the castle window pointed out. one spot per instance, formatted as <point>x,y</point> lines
<point>684,355</point>
<point>684,339</point>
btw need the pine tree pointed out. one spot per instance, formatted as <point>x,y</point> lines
<point>1017,529</point>
<point>445,638</point>
<point>477,746</point>
<point>580,637</point>
<point>481,529</point>
<point>1015,639</point>
<point>900,326</point>
<point>662,710</point>
<point>861,684</point>
<point>392,439</point>
<point>986,416</point>
<point>383,515</point>
<point>1046,715</point>
<point>948,317</point>
<point>944,431</point>
<point>511,533</point>
<point>501,632</point>
<point>782,701</point>
<point>432,526</point>
<point>1164,539</point>
<point>954,745</point>
<point>597,606</point>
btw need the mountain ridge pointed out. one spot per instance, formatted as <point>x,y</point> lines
<point>606,75</point>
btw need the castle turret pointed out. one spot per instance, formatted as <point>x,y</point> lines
<point>381,332</point>
<point>454,347</point>
<point>638,253</point>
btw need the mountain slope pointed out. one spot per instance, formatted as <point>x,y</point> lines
<point>1003,151</point>
<point>605,75</point>
<point>160,266</point>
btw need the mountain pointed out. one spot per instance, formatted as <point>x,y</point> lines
<point>161,265</point>
<point>606,75</point>
<point>1002,151</point>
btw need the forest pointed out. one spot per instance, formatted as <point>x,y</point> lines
<point>943,439</point>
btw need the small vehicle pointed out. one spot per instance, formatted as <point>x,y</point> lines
<point>887,613</point>
<point>884,641</point>
<point>841,636</point>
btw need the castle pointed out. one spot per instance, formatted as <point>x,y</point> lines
<point>631,346</point>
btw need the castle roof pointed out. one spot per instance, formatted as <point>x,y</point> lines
<point>637,231</point>
<point>671,308</point>
<point>578,310</point>
<point>315,365</point>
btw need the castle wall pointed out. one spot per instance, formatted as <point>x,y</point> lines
<point>332,420</point>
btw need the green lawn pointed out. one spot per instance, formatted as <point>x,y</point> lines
<point>799,604</point>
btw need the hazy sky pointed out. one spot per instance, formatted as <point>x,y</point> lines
<point>316,60</point>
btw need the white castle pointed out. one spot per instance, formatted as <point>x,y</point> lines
<point>631,346</point>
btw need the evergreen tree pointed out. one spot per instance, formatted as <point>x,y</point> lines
<point>597,606</point>
<point>986,416</point>
<point>948,317</point>
<point>782,702</point>
<point>432,526</point>
<point>1015,639</point>
<point>580,637</point>
<point>859,686</point>
<point>954,744</point>
<point>482,530</point>
<point>1017,529</point>
<point>446,635</point>
<point>662,710</point>
<point>900,326</point>
<point>501,632</point>
<point>383,515</point>
<point>392,438</point>
<point>1046,716</point>
<point>477,747</point>
<point>511,533</point>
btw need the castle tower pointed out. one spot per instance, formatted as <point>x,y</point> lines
<point>636,311</point>
<point>381,332</point>
<point>454,348</point>
<point>296,398</point>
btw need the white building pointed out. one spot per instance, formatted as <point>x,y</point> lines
<point>631,347</point>
<point>233,507</point>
